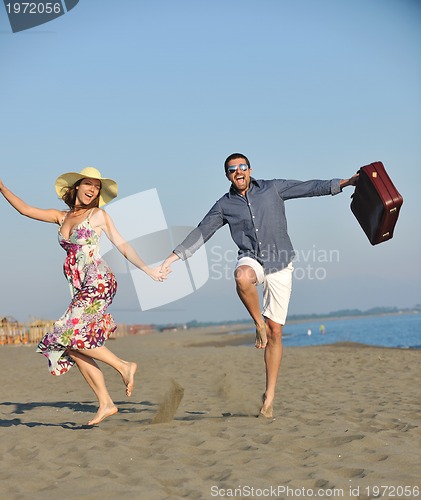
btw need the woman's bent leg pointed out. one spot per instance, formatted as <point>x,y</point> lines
<point>126,369</point>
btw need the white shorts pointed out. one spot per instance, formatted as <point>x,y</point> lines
<point>276,289</point>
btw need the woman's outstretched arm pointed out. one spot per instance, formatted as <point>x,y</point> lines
<point>44,215</point>
<point>102,220</point>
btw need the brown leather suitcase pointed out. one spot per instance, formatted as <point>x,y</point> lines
<point>376,203</point>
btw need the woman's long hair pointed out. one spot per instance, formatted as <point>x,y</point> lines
<point>69,198</point>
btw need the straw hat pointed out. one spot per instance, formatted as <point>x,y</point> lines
<point>109,187</point>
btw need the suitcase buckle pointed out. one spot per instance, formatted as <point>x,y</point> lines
<point>393,210</point>
<point>373,174</point>
<point>386,235</point>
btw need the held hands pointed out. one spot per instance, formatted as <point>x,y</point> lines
<point>165,268</point>
<point>158,273</point>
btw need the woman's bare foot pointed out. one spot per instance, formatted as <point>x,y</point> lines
<point>261,336</point>
<point>103,413</point>
<point>129,378</point>
<point>267,409</point>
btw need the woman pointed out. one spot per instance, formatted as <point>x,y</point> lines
<point>79,335</point>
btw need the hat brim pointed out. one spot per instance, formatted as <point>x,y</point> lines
<point>109,188</point>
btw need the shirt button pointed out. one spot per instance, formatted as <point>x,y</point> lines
<point>256,229</point>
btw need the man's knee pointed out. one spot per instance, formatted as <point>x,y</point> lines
<point>274,330</point>
<point>245,276</point>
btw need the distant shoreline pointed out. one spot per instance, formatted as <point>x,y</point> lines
<point>295,319</point>
<point>346,317</point>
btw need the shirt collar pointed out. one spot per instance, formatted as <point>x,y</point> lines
<point>253,182</point>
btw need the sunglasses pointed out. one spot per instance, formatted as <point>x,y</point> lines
<point>233,168</point>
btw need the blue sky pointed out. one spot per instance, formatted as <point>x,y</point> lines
<point>156,94</point>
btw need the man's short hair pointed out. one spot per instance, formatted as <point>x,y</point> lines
<point>235,156</point>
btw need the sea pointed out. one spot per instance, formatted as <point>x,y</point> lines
<point>400,331</point>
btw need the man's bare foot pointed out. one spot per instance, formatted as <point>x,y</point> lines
<point>267,409</point>
<point>129,378</point>
<point>261,336</point>
<point>102,414</point>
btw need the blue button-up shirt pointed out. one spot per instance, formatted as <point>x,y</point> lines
<point>257,220</point>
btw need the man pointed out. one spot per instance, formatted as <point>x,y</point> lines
<point>255,212</point>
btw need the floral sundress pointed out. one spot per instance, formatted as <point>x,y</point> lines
<point>84,325</point>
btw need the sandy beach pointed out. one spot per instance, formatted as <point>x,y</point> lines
<point>347,423</point>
